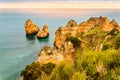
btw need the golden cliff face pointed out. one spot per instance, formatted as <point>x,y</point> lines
<point>73,29</point>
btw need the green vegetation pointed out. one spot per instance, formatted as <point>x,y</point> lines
<point>63,71</point>
<point>32,71</point>
<point>76,42</point>
<point>88,65</point>
<point>35,71</point>
<point>96,57</point>
<point>78,76</point>
<point>47,68</point>
<point>102,65</point>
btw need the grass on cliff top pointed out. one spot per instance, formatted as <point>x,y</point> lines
<point>88,65</point>
<point>104,65</point>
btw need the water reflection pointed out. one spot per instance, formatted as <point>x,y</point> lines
<point>30,36</point>
<point>46,39</point>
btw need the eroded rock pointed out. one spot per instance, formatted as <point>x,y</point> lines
<point>72,29</point>
<point>44,32</point>
<point>50,54</point>
<point>30,27</point>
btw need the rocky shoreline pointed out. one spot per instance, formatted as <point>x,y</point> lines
<point>73,39</point>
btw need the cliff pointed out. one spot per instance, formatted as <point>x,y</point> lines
<point>85,51</point>
<point>92,28</point>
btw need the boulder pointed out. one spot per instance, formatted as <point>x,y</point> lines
<point>43,33</point>
<point>30,27</point>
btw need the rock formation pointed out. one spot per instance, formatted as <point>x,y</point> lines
<point>72,29</point>
<point>50,54</point>
<point>30,27</point>
<point>44,32</point>
<point>75,42</point>
<point>54,55</point>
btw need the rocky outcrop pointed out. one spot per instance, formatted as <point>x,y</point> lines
<point>44,32</point>
<point>50,54</point>
<point>73,41</point>
<point>71,23</point>
<point>72,29</point>
<point>54,55</point>
<point>30,27</point>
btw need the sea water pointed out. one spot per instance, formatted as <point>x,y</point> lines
<point>16,50</point>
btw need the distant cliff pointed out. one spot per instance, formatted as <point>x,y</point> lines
<point>86,51</point>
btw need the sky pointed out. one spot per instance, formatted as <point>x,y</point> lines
<point>102,4</point>
<point>51,0</point>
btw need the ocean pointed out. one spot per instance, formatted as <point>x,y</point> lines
<point>16,50</point>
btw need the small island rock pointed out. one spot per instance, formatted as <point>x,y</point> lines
<point>44,33</point>
<point>30,27</point>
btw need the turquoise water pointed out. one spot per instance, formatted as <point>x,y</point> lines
<point>16,50</point>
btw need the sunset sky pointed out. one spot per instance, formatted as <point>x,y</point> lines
<point>104,4</point>
<point>50,0</point>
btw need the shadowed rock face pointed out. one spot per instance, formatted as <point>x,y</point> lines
<point>72,29</point>
<point>30,27</point>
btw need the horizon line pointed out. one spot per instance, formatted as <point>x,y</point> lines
<point>61,5</point>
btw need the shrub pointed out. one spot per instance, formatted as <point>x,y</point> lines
<point>104,65</point>
<point>79,76</point>
<point>117,44</point>
<point>47,68</point>
<point>105,47</point>
<point>63,71</point>
<point>76,42</point>
<point>32,71</point>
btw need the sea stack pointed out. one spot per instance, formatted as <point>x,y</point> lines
<point>30,27</point>
<point>43,33</point>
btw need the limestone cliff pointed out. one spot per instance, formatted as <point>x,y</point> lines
<point>72,29</point>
